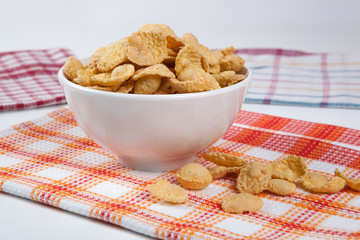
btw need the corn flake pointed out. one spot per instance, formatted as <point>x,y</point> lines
<point>147,48</point>
<point>243,202</point>
<point>291,168</point>
<point>353,183</point>
<point>194,80</point>
<point>194,176</point>
<point>253,178</point>
<point>113,55</point>
<point>71,66</point>
<point>225,159</point>
<point>281,187</point>
<point>168,192</point>
<point>318,183</point>
<point>231,63</point>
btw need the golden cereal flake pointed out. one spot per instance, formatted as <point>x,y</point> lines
<point>228,51</point>
<point>253,178</point>
<point>189,39</point>
<point>114,54</point>
<point>173,41</point>
<point>210,59</point>
<point>243,202</point>
<point>84,76</point>
<point>221,171</point>
<point>194,176</point>
<point>318,183</point>
<point>194,80</point>
<point>71,66</point>
<point>281,187</point>
<point>225,159</point>
<point>96,56</point>
<point>292,168</point>
<point>123,72</point>
<point>237,78</point>
<point>147,48</point>
<point>127,87</point>
<point>147,85</point>
<point>188,57</point>
<point>165,87</point>
<point>231,63</point>
<point>168,192</point>
<point>159,70</point>
<point>102,88</point>
<point>223,78</point>
<point>353,183</point>
<point>218,171</point>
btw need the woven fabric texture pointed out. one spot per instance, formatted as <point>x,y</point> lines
<point>28,79</point>
<point>50,160</point>
<point>290,77</point>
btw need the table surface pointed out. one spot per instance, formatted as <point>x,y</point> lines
<point>21,218</point>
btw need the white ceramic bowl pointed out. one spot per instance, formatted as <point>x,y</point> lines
<point>154,132</point>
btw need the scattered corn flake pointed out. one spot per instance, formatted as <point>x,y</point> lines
<point>218,171</point>
<point>221,171</point>
<point>243,202</point>
<point>353,183</point>
<point>292,168</point>
<point>318,183</point>
<point>114,54</point>
<point>253,178</point>
<point>168,192</point>
<point>147,48</point>
<point>147,85</point>
<point>225,159</point>
<point>194,176</point>
<point>281,187</point>
<point>71,66</point>
<point>231,63</point>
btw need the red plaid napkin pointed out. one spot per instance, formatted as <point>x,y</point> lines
<point>28,78</point>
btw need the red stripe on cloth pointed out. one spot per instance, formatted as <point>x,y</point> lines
<point>273,51</point>
<point>274,78</point>
<point>308,148</point>
<point>308,129</point>
<point>326,82</point>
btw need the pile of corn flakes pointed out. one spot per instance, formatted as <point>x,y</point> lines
<point>154,60</point>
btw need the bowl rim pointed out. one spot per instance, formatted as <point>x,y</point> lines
<point>149,97</point>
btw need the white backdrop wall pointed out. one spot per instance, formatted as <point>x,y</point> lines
<point>256,23</point>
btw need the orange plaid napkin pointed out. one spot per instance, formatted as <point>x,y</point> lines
<point>50,160</point>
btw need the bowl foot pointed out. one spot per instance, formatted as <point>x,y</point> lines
<point>155,165</point>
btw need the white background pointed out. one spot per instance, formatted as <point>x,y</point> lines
<point>83,26</point>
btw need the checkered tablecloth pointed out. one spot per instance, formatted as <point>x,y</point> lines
<point>290,77</point>
<point>28,78</point>
<point>50,160</point>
